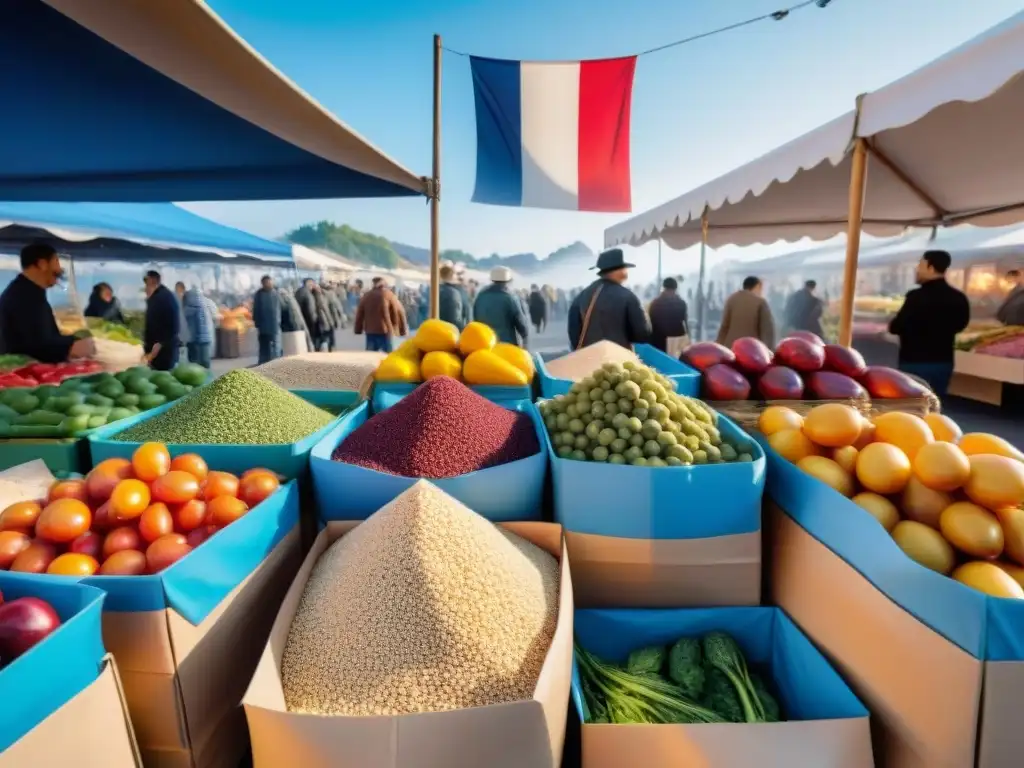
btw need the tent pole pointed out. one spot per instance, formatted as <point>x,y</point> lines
<point>435,197</point>
<point>700,277</point>
<point>659,263</point>
<point>855,214</point>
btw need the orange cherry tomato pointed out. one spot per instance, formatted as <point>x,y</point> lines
<point>129,499</point>
<point>68,489</point>
<point>192,463</point>
<point>224,510</point>
<point>73,564</point>
<point>89,543</point>
<point>125,537</point>
<point>126,562</point>
<point>20,515</point>
<point>63,520</point>
<point>12,544</point>
<point>155,522</point>
<point>166,551</point>
<point>258,471</point>
<point>188,516</point>
<point>220,484</point>
<point>35,558</point>
<point>150,461</point>
<point>176,487</point>
<point>105,476</point>
<point>257,486</point>
<point>199,535</point>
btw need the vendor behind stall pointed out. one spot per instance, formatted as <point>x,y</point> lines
<point>27,324</point>
<point>162,335</point>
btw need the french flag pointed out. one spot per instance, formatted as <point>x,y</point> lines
<point>553,134</point>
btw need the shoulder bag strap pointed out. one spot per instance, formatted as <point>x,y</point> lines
<point>586,316</point>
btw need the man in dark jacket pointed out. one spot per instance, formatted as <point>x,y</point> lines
<point>538,305</point>
<point>307,306</point>
<point>27,324</point>
<point>452,305</point>
<point>928,322</point>
<point>501,309</point>
<point>162,336</point>
<point>804,310</point>
<point>615,311</point>
<point>267,317</point>
<point>668,315</point>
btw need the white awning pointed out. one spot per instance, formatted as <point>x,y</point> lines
<point>946,146</point>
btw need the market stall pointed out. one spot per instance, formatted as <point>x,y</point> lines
<point>930,139</point>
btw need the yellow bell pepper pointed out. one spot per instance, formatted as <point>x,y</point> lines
<point>485,367</point>
<point>518,356</point>
<point>398,368</point>
<point>409,349</point>
<point>476,336</point>
<point>437,336</point>
<point>441,364</point>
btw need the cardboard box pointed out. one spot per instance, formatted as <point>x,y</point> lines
<point>828,727</point>
<point>92,730</point>
<point>933,704</point>
<point>524,734</point>
<point>617,572</point>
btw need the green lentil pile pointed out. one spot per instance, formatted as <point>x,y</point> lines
<point>241,408</point>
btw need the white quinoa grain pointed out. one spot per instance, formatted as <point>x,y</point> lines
<point>323,370</point>
<point>424,607</point>
<point>577,365</point>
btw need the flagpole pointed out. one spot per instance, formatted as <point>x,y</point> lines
<point>435,196</point>
<point>659,263</point>
<point>700,277</point>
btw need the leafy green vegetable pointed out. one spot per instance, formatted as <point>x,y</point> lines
<point>633,698</point>
<point>645,660</point>
<point>684,667</point>
<point>722,652</point>
<point>720,696</point>
<point>772,711</point>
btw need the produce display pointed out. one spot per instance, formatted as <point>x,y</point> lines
<point>579,364</point>
<point>34,374</point>
<point>239,408</point>
<point>423,607</point>
<point>1007,341</point>
<point>323,370</point>
<point>629,414</point>
<point>127,518</point>
<point>802,367</point>
<point>24,622</point>
<point>951,502</point>
<point>81,403</point>
<point>705,680</point>
<point>98,328</point>
<point>442,429</point>
<point>474,356</point>
<point>10,362</point>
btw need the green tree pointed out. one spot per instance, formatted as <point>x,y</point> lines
<point>354,245</point>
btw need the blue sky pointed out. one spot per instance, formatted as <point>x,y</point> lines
<point>699,110</point>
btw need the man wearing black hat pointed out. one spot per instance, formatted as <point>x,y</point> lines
<point>606,310</point>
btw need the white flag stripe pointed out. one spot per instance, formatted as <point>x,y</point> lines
<point>549,114</point>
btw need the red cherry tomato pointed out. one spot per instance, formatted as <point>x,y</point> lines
<point>68,489</point>
<point>105,476</point>
<point>89,543</point>
<point>63,520</point>
<point>20,516</point>
<point>155,522</point>
<point>192,463</point>
<point>224,510</point>
<point>125,537</point>
<point>256,487</point>
<point>35,558</point>
<point>201,534</point>
<point>220,484</point>
<point>12,544</point>
<point>189,516</point>
<point>166,551</point>
<point>126,562</point>
<point>176,487</point>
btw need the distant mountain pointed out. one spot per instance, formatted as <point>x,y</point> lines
<point>365,248</point>
<point>523,263</point>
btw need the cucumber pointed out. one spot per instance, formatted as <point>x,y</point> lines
<point>5,429</point>
<point>24,404</point>
<point>100,400</point>
<point>36,430</point>
<point>146,402</point>
<point>40,418</point>
<point>73,425</point>
<point>112,389</point>
<point>116,414</point>
<point>7,413</point>
<point>81,409</point>
<point>97,421</point>
<point>127,400</point>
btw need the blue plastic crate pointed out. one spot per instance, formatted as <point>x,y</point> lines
<point>687,379</point>
<point>691,502</point>
<point>387,394</point>
<point>510,492</point>
<point>988,628</point>
<point>289,460</point>
<point>807,686</point>
<point>39,682</point>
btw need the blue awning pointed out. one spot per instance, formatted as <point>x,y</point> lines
<point>138,232</point>
<point>107,100</point>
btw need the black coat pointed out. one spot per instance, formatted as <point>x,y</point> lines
<point>27,324</point>
<point>668,319</point>
<point>105,310</point>
<point>163,327</point>
<point>617,316</point>
<point>928,322</point>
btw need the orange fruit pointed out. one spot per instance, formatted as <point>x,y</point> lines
<point>175,487</point>
<point>941,466</point>
<point>63,520</point>
<point>129,499</point>
<point>775,418</point>
<point>151,460</point>
<point>192,463</point>
<point>20,516</point>
<point>833,425</point>
<point>972,529</point>
<point>73,564</point>
<point>943,428</point>
<point>883,468</point>
<point>224,510</point>
<point>981,442</point>
<point>846,457</point>
<point>219,484</point>
<point>995,481</point>
<point>904,430</point>
<point>792,444</point>
<point>829,473</point>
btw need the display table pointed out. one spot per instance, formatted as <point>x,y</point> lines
<point>985,377</point>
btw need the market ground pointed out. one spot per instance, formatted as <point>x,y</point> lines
<point>972,417</point>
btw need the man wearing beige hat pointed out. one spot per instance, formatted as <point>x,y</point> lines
<point>499,308</point>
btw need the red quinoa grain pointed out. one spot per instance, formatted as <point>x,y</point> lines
<point>442,429</point>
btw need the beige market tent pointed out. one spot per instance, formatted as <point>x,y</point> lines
<point>945,145</point>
